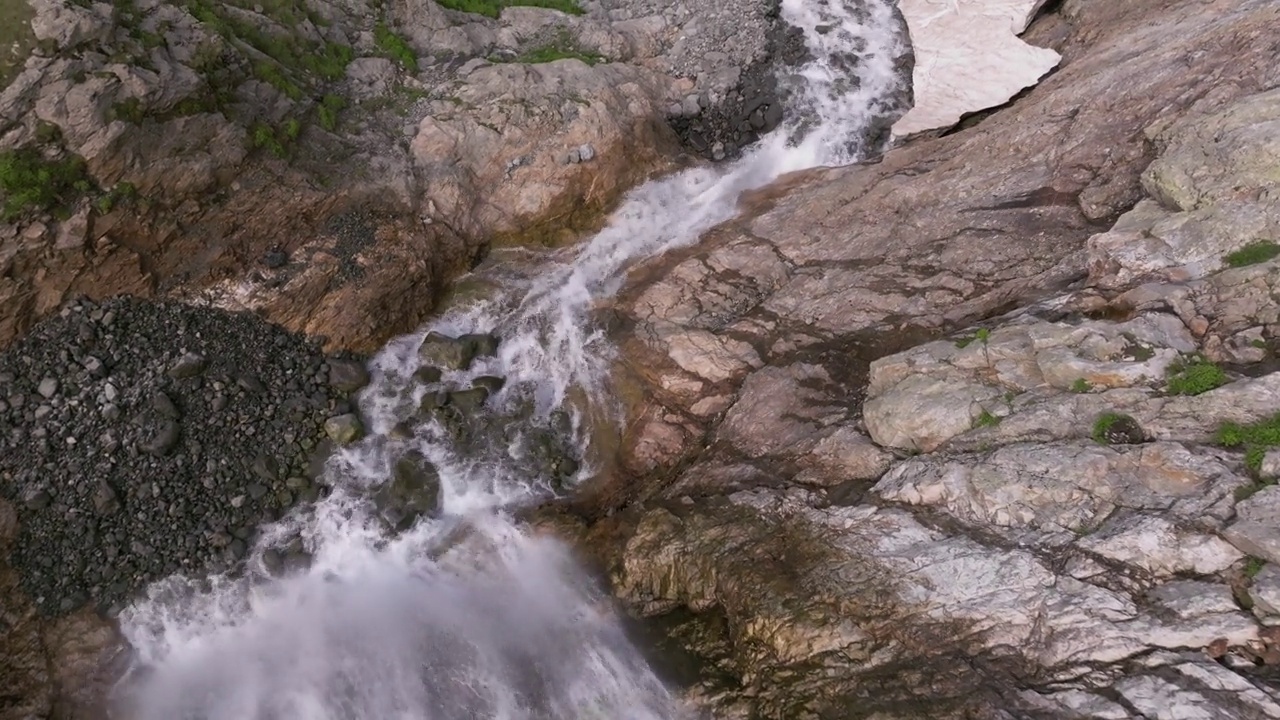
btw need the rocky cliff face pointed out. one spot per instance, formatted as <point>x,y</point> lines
<point>333,164</point>
<point>982,430</point>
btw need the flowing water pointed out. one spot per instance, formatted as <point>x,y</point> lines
<point>493,622</point>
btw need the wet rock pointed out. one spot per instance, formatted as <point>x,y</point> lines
<point>428,374</point>
<point>470,400</point>
<point>413,491</point>
<point>446,353</point>
<point>347,376</point>
<point>489,382</point>
<point>433,401</point>
<point>344,429</point>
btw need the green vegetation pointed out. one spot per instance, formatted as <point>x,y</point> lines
<point>328,109</point>
<point>1256,439</point>
<point>394,47</point>
<point>986,419</point>
<point>29,182</point>
<point>1193,376</point>
<point>551,53</point>
<point>1081,386</point>
<point>271,74</point>
<point>492,8</point>
<point>129,110</point>
<point>1112,428</point>
<point>1252,254</point>
<point>122,193</point>
<point>1253,566</point>
<point>276,140</point>
<point>981,335</point>
<point>16,38</point>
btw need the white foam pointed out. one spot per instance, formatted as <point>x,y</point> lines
<point>499,623</point>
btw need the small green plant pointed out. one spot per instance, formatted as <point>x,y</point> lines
<point>394,47</point>
<point>328,109</point>
<point>492,8</point>
<point>1253,566</point>
<point>29,182</point>
<point>264,137</point>
<point>1255,438</point>
<point>986,420</point>
<point>1081,386</point>
<point>330,62</point>
<point>1194,376</point>
<point>292,128</point>
<point>1252,254</point>
<point>981,335</point>
<point>1116,428</point>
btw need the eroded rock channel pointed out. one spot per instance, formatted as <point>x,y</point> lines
<point>867,413</point>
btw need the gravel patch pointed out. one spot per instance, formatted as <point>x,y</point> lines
<point>140,439</point>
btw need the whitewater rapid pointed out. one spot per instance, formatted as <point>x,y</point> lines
<point>493,622</point>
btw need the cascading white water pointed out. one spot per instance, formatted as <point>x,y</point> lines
<point>494,622</point>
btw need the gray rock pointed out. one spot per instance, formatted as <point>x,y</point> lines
<point>1264,590</point>
<point>189,365</point>
<point>164,439</point>
<point>1256,530</point>
<point>347,376</point>
<point>266,467</point>
<point>105,501</point>
<point>164,405</point>
<point>586,152</point>
<point>344,429</point>
<point>48,388</point>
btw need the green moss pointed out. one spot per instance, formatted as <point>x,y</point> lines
<point>1194,376</point>
<point>1081,386</point>
<point>1256,439</point>
<point>394,47</point>
<point>270,73</point>
<point>264,137</point>
<point>492,8</point>
<point>328,109</point>
<point>47,133</point>
<point>330,62</point>
<point>29,182</point>
<point>986,419</point>
<point>981,335</point>
<point>1111,427</point>
<point>1253,566</point>
<point>123,192</point>
<point>1252,254</point>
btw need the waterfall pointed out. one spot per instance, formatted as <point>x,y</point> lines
<point>468,614</point>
